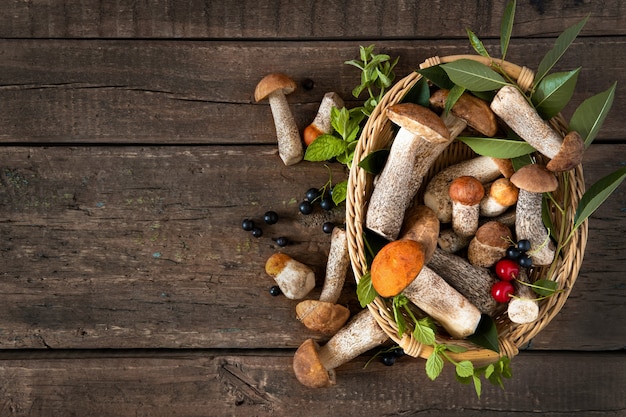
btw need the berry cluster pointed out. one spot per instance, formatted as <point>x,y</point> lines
<point>507,269</point>
<point>389,357</point>
<point>270,217</point>
<point>316,195</point>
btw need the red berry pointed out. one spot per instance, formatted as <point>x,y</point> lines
<point>507,269</point>
<point>501,291</point>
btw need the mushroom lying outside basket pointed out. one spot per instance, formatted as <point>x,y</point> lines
<point>378,134</point>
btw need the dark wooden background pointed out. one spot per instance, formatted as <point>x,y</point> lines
<point>130,150</point>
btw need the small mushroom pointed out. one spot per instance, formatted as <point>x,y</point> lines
<point>533,180</point>
<point>483,168</point>
<point>472,110</point>
<point>294,278</point>
<point>524,307</point>
<point>325,315</point>
<point>515,110</point>
<point>466,193</point>
<point>499,196</point>
<point>421,138</point>
<point>275,86</point>
<point>322,123</point>
<point>314,366</point>
<point>489,244</point>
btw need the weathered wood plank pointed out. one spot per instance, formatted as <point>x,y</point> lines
<point>128,247</point>
<point>144,92</point>
<point>294,19</point>
<point>219,383</point>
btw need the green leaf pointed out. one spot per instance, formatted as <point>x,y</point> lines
<point>477,44</point>
<point>453,96</point>
<point>375,161</point>
<point>473,75</point>
<point>325,147</point>
<point>478,385</point>
<point>554,92</point>
<point>521,161</point>
<point>589,116</point>
<point>506,27</point>
<point>365,291</point>
<point>596,195</point>
<point>437,75</point>
<point>563,42</point>
<point>418,94</point>
<point>464,369</point>
<point>423,333</point>
<point>546,216</point>
<point>544,287</point>
<point>434,365</point>
<point>498,148</point>
<point>340,190</point>
<point>486,334</point>
<point>456,348</point>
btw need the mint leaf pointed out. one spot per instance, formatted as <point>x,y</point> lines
<point>434,365</point>
<point>464,369</point>
<point>325,147</point>
<point>365,291</point>
<point>423,333</point>
<point>473,75</point>
<point>339,192</point>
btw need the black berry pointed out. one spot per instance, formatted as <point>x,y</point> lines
<point>282,241</point>
<point>308,84</point>
<point>275,290</point>
<point>270,217</point>
<point>398,352</point>
<point>523,245</point>
<point>257,232</point>
<point>326,203</point>
<point>328,227</point>
<point>513,253</point>
<point>525,261</point>
<point>306,207</point>
<point>388,358</point>
<point>312,194</point>
<point>247,225</point>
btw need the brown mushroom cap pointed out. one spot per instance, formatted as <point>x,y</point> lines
<point>273,82</point>
<point>474,111</point>
<point>570,154</point>
<point>504,191</point>
<point>466,190</point>
<point>420,121</point>
<point>308,367</point>
<point>321,316</point>
<point>494,234</point>
<point>535,178</point>
<point>276,263</point>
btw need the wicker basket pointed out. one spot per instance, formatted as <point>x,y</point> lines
<point>378,134</point>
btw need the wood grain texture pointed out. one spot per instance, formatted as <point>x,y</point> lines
<point>223,383</point>
<point>293,19</point>
<point>129,247</point>
<point>144,92</point>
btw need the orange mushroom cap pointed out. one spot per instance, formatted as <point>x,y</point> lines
<point>396,265</point>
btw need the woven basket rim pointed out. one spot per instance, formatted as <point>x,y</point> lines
<point>376,134</point>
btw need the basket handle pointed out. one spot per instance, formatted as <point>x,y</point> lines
<point>523,75</point>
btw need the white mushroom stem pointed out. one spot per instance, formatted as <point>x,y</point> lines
<point>524,307</point>
<point>529,225</point>
<point>361,334</point>
<point>322,122</point>
<point>499,196</point>
<point>336,266</point>
<point>290,147</point>
<point>473,282</point>
<point>483,168</point>
<point>294,278</point>
<point>433,295</point>
<point>515,110</point>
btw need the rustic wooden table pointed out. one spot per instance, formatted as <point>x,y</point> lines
<point>132,148</point>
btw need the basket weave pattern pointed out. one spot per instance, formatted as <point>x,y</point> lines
<point>378,134</point>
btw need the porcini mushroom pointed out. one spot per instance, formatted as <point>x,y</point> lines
<point>325,315</point>
<point>524,307</point>
<point>322,122</point>
<point>421,138</point>
<point>472,110</point>
<point>473,282</point>
<point>483,168</point>
<point>466,193</point>
<point>515,110</point>
<point>499,196</point>
<point>489,244</point>
<point>533,180</point>
<point>294,278</point>
<point>275,86</point>
<point>314,366</point>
